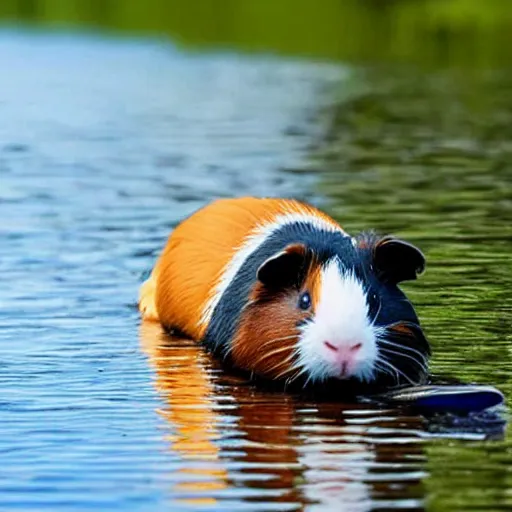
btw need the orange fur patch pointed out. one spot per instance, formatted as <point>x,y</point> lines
<point>198,252</point>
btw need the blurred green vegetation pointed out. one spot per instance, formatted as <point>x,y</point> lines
<point>427,32</point>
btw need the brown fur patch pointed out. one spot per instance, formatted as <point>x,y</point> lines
<point>268,331</point>
<point>267,336</point>
<point>401,328</point>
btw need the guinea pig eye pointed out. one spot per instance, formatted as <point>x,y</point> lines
<point>373,301</point>
<point>305,301</point>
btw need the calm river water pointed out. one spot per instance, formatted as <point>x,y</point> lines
<point>105,145</point>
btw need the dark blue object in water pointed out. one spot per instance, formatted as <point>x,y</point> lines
<point>446,398</point>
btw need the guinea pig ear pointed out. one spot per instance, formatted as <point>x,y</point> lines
<point>284,268</point>
<point>397,260</point>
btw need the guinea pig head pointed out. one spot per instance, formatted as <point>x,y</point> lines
<point>334,314</point>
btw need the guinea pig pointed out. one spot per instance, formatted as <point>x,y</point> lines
<point>277,288</point>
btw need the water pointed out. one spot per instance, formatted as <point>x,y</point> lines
<point>105,145</point>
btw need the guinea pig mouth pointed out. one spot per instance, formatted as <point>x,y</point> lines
<point>344,371</point>
<point>347,371</point>
<point>353,367</point>
<point>343,359</point>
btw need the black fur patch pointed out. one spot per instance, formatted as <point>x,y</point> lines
<point>226,315</point>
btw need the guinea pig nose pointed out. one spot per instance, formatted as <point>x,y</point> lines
<point>356,347</point>
<point>330,346</point>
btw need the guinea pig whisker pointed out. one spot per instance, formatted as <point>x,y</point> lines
<point>372,323</point>
<point>366,373</point>
<point>315,377</point>
<point>298,371</point>
<point>398,371</point>
<point>402,354</point>
<point>389,371</point>
<point>275,352</point>
<point>293,355</point>
<point>285,372</point>
<point>423,357</point>
<point>310,377</point>
<point>383,339</point>
<point>275,340</point>
<point>299,367</point>
<point>384,370</point>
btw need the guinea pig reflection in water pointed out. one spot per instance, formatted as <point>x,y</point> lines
<point>181,377</point>
<point>281,458</point>
<point>277,288</point>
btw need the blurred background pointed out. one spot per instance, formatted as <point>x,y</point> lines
<point>425,32</point>
<point>120,117</point>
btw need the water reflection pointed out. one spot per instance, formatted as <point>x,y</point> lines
<point>277,450</point>
<point>183,381</point>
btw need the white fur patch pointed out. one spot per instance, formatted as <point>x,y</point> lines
<point>341,318</point>
<point>251,243</point>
